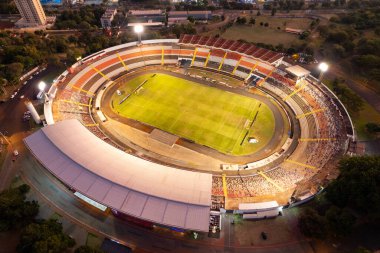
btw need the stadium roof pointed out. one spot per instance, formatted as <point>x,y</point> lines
<point>123,182</point>
<point>298,71</point>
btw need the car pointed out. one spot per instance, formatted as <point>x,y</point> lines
<point>12,96</point>
<point>22,96</point>
<point>15,152</point>
<point>24,83</point>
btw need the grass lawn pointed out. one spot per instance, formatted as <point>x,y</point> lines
<point>367,115</point>
<point>94,241</point>
<point>205,115</point>
<point>268,35</point>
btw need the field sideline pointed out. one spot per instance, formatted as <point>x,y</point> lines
<point>208,116</point>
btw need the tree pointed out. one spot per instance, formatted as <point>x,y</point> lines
<point>340,221</point>
<point>44,236</point>
<point>273,12</point>
<point>14,71</point>
<point>358,185</point>
<point>312,224</point>
<point>373,127</point>
<point>15,211</point>
<point>241,21</point>
<point>3,83</point>
<point>304,35</point>
<point>353,102</point>
<point>258,13</point>
<point>252,21</point>
<point>191,19</point>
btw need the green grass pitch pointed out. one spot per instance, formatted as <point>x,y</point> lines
<point>208,116</point>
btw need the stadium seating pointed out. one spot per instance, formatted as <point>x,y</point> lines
<point>228,57</point>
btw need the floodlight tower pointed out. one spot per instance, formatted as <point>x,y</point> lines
<point>41,87</point>
<point>323,67</point>
<point>138,29</point>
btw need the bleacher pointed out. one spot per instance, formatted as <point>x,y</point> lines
<point>231,46</point>
<point>326,124</point>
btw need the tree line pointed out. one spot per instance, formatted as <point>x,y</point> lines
<point>351,199</point>
<point>37,235</point>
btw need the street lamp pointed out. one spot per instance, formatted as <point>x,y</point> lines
<point>323,67</point>
<point>138,29</point>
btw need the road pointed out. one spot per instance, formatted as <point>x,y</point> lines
<point>12,125</point>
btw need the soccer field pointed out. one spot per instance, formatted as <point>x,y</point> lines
<point>208,116</point>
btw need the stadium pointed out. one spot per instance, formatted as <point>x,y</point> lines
<point>173,132</point>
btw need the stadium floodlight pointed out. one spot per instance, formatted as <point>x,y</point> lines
<point>41,86</point>
<point>138,29</point>
<point>42,93</point>
<point>323,67</point>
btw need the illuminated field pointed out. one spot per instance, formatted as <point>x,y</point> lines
<point>208,116</point>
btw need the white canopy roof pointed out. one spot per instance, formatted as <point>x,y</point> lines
<point>126,183</point>
<point>298,71</point>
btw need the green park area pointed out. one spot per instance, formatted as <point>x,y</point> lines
<point>267,30</point>
<point>208,116</point>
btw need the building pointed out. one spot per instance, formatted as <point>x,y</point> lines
<point>145,13</point>
<point>197,15</point>
<point>144,16</point>
<point>108,16</point>
<point>31,12</point>
<point>51,2</point>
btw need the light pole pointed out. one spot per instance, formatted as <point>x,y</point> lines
<point>41,87</point>
<point>323,67</point>
<point>138,29</point>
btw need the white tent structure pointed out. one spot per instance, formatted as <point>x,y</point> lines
<point>125,183</point>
